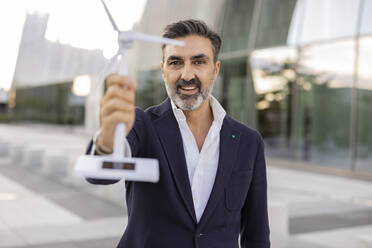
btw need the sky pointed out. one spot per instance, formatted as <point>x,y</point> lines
<point>80,23</point>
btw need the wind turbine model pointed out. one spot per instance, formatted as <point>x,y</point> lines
<point>116,166</point>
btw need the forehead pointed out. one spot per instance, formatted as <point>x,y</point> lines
<point>194,45</point>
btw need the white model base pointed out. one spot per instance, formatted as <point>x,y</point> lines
<point>113,168</point>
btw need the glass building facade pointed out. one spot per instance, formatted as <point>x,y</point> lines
<point>298,71</point>
<point>314,93</point>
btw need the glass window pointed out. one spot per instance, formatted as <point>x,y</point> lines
<point>235,91</point>
<point>274,18</point>
<point>274,83</point>
<point>150,88</point>
<point>364,134</point>
<point>366,27</point>
<point>236,25</point>
<point>317,20</point>
<point>324,80</point>
<point>304,101</point>
<point>49,103</point>
<point>274,21</point>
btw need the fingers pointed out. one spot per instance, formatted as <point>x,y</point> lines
<point>121,81</point>
<point>115,91</point>
<point>121,87</point>
<point>109,123</point>
<point>115,104</point>
<point>116,117</point>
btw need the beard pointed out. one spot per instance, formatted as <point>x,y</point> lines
<point>188,102</point>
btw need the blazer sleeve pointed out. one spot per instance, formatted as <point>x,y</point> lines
<point>255,232</point>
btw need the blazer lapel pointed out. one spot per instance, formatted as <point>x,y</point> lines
<point>171,140</point>
<point>229,143</point>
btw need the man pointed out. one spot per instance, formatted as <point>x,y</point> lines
<point>212,183</point>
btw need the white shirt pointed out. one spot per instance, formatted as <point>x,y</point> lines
<point>201,166</point>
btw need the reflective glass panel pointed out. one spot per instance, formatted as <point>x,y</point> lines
<point>235,90</point>
<point>318,20</point>
<point>364,136</point>
<point>274,22</point>
<point>274,83</point>
<point>324,82</point>
<point>236,25</point>
<point>150,88</point>
<point>366,27</point>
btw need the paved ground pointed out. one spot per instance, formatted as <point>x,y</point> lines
<point>43,210</point>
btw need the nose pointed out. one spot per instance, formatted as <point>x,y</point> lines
<point>187,72</point>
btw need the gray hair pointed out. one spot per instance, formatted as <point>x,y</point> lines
<point>193,27</point>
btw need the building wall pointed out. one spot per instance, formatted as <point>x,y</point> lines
<point>45,70</point>
<point>42,62</point>
<point>313,107</point>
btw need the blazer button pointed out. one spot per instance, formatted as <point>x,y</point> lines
<point>200,234</point>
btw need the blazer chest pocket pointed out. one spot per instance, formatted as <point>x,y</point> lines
<point>237,189</point>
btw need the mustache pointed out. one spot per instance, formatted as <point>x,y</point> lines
<point>181,83</point>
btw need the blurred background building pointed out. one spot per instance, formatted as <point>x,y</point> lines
<point>44,75</point>
<point>3,102</point>
<point>296,70</point>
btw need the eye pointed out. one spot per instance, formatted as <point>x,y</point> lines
<point>199,62</point>
<point>174,62</point>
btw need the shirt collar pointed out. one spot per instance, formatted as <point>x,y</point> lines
<point>218,112</point>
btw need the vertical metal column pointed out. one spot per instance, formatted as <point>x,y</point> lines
<point>354,93</point>
<point>294,142</point>
<point>251,46</point>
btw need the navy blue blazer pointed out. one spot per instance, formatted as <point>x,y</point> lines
<point>162,215</point>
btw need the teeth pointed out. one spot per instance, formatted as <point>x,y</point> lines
<point>189,88</point>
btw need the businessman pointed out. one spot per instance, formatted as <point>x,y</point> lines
<point>212,191</point>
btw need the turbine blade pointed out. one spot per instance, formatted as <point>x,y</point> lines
<point>155,39</point>
<point>110,16</point>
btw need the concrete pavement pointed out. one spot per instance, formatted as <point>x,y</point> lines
<point>38,209</point>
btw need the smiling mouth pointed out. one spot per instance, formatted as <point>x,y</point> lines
<point>188,90</point>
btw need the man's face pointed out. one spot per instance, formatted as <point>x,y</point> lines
<point>189,72</point>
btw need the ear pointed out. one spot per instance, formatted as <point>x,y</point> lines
<point>162,68</point>
<point>217,67</point>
